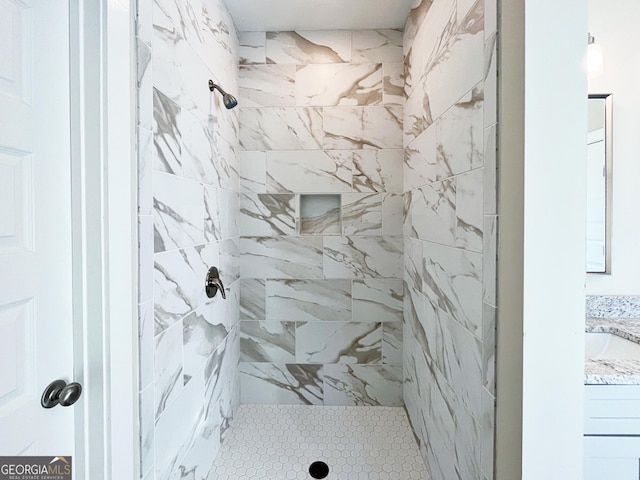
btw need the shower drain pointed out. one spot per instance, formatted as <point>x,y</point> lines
<point>319,470</point>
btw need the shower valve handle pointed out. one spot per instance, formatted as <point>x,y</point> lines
<point>213,284</point>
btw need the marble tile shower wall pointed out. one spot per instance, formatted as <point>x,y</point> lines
<point>321,300</point>
<point>450,234</point>
<point>188,208</point>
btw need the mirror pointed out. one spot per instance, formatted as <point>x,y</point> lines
<point>599,159</point>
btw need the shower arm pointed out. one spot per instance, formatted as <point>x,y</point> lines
<point>213,86</point>
<point>229,100</point>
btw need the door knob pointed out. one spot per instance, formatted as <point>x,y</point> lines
<point>213,283</point>
<point>58,392</point>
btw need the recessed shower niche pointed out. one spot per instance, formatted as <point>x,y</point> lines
<point>320,215</point>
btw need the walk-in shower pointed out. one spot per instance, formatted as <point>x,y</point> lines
<point>349,205</point>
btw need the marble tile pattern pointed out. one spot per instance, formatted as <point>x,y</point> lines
<point>300,48</point>
<point>378,299</point>
<point>178,212</point>
<point>267,341</point>
<point>392,343</point>
<point>361,128</point>
<point>321,163</point>
<point>278,383</point>
<point>147,431</point>
<point>361,84</point>
<point>393,83</point>
<point>203,332</point>
<point>363,385</point>
<point>490,234</point>
<point>281,257</point>
<point>363,257</point>
<point>266,215</point>
<point>169,368</point>
<point>176,289</point>
<point>308,300</point>
<point>489,349</point>
<point>145,344</point>
<point>393,214</point>
<point>325,223</point>
<point>362,214</point>
<point>252,299</point>
<point>276,349</point>
<point>251,48</point>
<point>338,342</point>
<point>145,260</point>
<point>267,85</point>
<point>145,176</point>
<point>253,172</point>
<point>451,233</point>
<point>377,171</point>
<point>309,172</point>
<point>281,128</point>
<point>188,206</point>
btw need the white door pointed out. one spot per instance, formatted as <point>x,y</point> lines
<point>35,226</point>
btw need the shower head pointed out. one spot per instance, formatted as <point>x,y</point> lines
<point>228,99</point>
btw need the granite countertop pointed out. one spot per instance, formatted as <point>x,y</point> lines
<point>613,372</point>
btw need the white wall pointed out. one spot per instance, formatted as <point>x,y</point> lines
<point>541,239</point>
<point>614,25</point>
<point>554,247</point>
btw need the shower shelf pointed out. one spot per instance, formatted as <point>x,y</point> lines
<point>320,215</point>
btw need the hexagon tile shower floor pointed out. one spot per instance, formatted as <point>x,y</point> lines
<point>280,442</point>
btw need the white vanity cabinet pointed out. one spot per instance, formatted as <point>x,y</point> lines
<point>612,432</point>
<point>611,458</point>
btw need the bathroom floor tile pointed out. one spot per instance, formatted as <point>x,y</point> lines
<point>279,442</point>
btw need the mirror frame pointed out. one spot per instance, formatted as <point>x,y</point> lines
<point>608,139</point>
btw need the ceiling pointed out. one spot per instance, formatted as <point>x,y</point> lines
<point>287,15</point>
